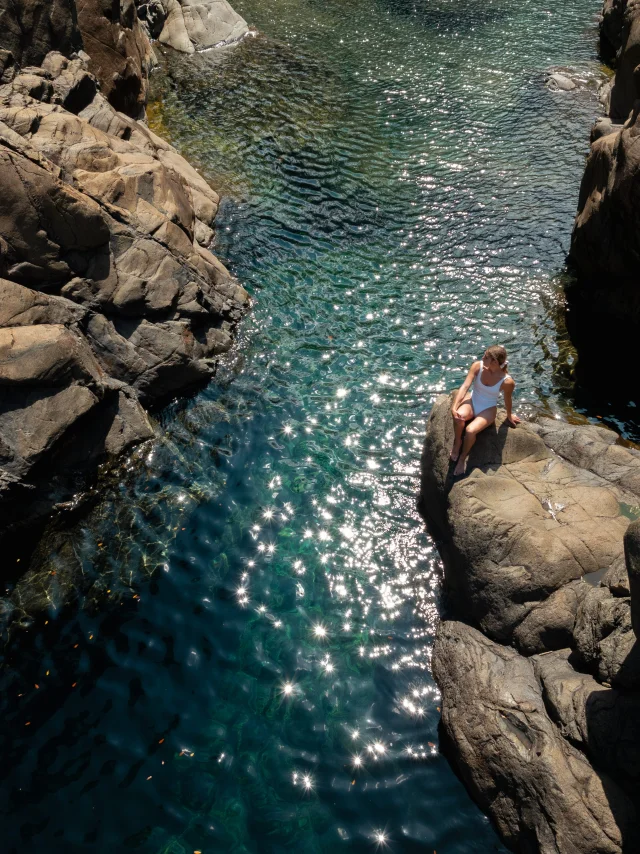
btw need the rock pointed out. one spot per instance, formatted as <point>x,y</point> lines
<point>603,127</point>
<point>560,82</point>
<point>120,51</point>
<point>595,449</point>
<point>549,625</point>
<point>521,524</point>
<point>617,578</point>
<point>603,299</point>
<point>31,29</point>
<point>625,88</point>
<point>194,25</point>
<point>605,640</point>
<point>632,555</point>
<point>601,721</point>
<point>107,296</point>
<point>45,355</point>
<point>542,793</point>
<point>611,28</point>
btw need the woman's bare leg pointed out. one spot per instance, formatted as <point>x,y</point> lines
<point>465,411</point>
<point>479,423</point>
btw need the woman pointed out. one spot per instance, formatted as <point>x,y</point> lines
<point>477,411</point>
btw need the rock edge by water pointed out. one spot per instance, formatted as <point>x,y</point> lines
<point>110,299</point>
<point>538,660</point>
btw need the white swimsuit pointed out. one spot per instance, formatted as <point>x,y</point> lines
<point>485,396</point>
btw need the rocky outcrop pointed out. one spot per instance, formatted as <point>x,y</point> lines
<point>604,298</point>
<point>541,682</point>
<point>110,300</point>
<point>188,26</point>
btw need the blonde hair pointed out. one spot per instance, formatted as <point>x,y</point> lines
<point>498,352</point>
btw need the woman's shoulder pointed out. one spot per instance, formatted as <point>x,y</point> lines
<point>509,381</point>
<point>475,366</point>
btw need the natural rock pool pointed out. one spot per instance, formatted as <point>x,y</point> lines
<point>246,665</point>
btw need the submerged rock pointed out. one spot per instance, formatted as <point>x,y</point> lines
<point>558,82</point>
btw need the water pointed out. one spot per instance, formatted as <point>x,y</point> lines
<point>244,665</point>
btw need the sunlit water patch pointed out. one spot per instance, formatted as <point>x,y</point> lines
<point>245,667</point>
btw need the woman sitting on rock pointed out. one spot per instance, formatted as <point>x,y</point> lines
<point>477,411</point>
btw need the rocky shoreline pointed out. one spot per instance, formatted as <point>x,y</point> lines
<point>538,654</point>
<point>110,299</point>
<point>537,657</point>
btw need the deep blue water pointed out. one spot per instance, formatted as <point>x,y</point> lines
<point>244,666</point>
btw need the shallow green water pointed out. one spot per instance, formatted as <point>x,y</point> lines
<point>246,666</point>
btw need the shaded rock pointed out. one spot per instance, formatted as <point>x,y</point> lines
<point>549,625</point>
<point>616,578</point>
<point>605,640</point>
<point>522,524</point>
<point>632,555</point>
<point>611,28</point>
<point>32,421</point>
<point>601,721</point>
<point>604,301</point>
<point>190,25</point>
<point>120,51</point>
<point>31,29</point>
<point>541,792</point>
<point>558,82</point>
<point>625,88</point>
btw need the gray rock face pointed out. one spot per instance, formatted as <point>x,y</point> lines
<point>538,554</point>
<point>108,301</point>
<point>542,793</point>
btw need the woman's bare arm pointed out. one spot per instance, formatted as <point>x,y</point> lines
<point>508,387</point>
<point>464,388</point>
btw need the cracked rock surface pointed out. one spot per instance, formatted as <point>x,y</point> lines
<point>110,299</point>
<point>541,681</point>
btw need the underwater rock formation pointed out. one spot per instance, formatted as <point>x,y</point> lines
<point>110,299</point>
<point>541,682</point>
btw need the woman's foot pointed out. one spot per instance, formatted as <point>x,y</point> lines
<point>459,469</point>
<point>455,451</point>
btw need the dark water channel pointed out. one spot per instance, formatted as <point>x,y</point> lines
<point>245,667</point>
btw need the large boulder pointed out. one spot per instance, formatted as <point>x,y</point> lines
<point>522,524</point>
<point>603,296</point>
<point>542,793</point>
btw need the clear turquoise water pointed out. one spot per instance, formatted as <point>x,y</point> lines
<point>245,665</point>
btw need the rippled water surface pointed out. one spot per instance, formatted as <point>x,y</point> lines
<point>245,667</point>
